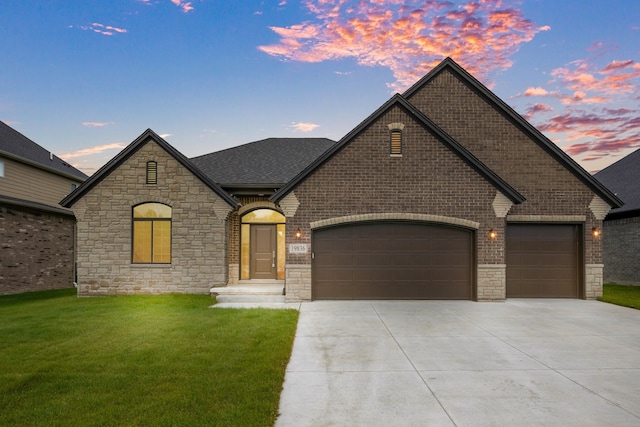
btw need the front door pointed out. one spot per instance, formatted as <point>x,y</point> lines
<point>263,251</point>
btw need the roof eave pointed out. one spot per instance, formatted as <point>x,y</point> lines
<point>41,166</point>
<point>131,149</point>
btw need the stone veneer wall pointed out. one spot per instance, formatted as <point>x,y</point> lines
<point>199,240</point>
<point>593,281</point>
<point>492,282</point>
<point>36,249</point>
<point>298,282</point>
<point>622,251</point>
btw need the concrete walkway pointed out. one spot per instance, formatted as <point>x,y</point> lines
<point>462,363</point>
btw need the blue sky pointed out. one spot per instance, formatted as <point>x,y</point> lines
<point>85,78</point>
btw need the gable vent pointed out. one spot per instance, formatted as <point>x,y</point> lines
<point>396,141</point>
<point>152,172</point>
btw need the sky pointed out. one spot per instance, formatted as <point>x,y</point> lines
<point>84,78</point>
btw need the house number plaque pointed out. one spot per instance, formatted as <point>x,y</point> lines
<point>298,248</point>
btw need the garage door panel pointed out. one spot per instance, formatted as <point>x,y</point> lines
<point>543,260</point>
<point>386,260</point>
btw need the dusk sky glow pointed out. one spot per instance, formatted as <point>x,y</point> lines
<point>85,78</point>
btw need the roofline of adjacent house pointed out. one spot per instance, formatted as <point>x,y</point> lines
<point>538,136</point>
<point>453,145</point>
<point>131,149</point>
<point>631,213</point>
<point>39,165</point>
<point>5,200</point>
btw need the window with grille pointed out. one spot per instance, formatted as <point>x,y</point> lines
<point>151,242</point>
<point>152,172</point>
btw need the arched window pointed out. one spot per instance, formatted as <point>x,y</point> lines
<point>151,234</point>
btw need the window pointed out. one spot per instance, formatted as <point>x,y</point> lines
<point>152,172</point>
<point>151,234</point>
<point>1,169</point>
<point>73,187</point>
<point>395,139</point>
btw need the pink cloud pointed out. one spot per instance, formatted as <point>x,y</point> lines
<point>95,124</point>
<point>536,109</point>
<point>408,37</point>
<point>93,150</point>
<point>105,30</point>
<point>536,91</point>
<point>184,5</point>
<point>303,127</point>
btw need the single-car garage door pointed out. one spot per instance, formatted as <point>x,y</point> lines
<point>392,260</point>
<point>543,260</point>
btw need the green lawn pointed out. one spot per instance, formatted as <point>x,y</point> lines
<point>628,296</point>
<point>139,360</point>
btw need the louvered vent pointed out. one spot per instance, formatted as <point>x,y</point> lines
<point>152,172</point>
<point>396,141</point>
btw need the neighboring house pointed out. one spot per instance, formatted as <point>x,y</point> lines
<point>36,233</point>
<point>444,192</point>
<point>621,235</point>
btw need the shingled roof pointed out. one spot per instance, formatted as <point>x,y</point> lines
<point>268,162</point>
<point>623,179</point>
<point>16,145</point>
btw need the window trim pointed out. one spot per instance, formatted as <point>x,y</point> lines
<point>152,220</point>
<point>1,168</point>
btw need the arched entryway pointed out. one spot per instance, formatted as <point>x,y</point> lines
<point>262,245</point>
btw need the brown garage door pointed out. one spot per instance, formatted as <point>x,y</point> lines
<point>387,260</point>
<point>543,261</point>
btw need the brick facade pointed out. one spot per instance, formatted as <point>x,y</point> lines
<point>199,238</point>
<point>36,250</point>
<point>428,178</point>
<point>622,246</point>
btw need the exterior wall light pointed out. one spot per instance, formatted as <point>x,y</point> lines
<point>298,233</point>
<point>596,232</point>
<point>493,234</point>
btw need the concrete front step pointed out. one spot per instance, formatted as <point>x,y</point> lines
<point>245,295</point>
<point>239,298</point>
<point>272,305</point>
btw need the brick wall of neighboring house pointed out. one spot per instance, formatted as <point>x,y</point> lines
<point>36,250</point>
<point>199,224</point>
<point>621,248</point>
<point>363,178</point>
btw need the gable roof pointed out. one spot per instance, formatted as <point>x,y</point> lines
<point>15,145</point>
<point>143,139</point>
<point>537,136</point>
<point>448,141</point>
<point>270,162</point>
<point>623,178</point>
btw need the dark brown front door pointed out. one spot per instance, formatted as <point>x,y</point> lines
<point>543,260</point>
<point>263,251</point>
<point>387,260</point>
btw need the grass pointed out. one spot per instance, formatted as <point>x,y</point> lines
<point>139,360</point>
<point>627,296</point>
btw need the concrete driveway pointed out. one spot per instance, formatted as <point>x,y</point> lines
<point>461,363</point>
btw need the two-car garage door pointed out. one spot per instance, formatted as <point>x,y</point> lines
<point>392,260</point>
<point>411,260</point>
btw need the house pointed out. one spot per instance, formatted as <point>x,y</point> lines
<point>443,192</point>
<point>36,233</point>
<point>621,232</point>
